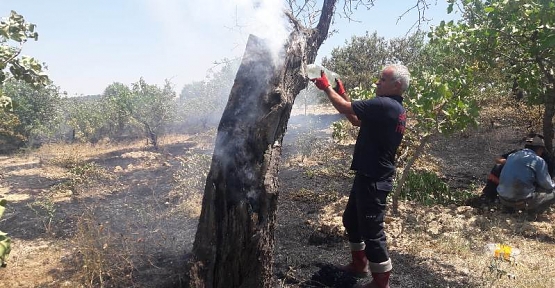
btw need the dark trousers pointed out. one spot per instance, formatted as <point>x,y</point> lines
<point>536,204</point>
<point>364,218</point>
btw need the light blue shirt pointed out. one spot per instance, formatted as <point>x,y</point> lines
<point>523,174</point>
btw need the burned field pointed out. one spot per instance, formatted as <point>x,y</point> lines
<point>125,216</point>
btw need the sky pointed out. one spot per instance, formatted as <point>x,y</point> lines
<point>87,45</point>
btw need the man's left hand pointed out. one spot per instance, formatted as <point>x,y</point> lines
<point>339,88</point>
<point>322,83</point>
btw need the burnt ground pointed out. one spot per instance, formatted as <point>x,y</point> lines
<point>312,244</point>
<point>309,248</point>
<point>130,225</point>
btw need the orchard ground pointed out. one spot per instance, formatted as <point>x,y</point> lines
<point>123,215</point>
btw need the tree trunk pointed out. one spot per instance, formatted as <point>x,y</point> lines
<point>549,104</point>
<point>234,241</point>
<point>549,112</point>
<point>151,135</point>
<point>397,192</point>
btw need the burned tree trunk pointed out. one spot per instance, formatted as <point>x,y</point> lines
<point>235,236</point>
<point>240,196</point>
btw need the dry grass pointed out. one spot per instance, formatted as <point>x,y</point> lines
<point>118,214</point>
<point>104,257</point>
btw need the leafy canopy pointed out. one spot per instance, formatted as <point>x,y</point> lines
<point>360,61</point>
<point>14,32</point>
<point>440,98</point>
<point>516,38</point>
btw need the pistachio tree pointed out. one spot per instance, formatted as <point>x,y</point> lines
<point>203,101</point>
<point>234,241</point>
<point>441,96</point>
<point>122,112</point>
<point>153,107</point>
<point>37,109</point>
<point>515,38</point>
<point>441,100</point>
<point>360,61</point>
<point>14,32</point>
<point>498,42</point>
<point>117,106</point>
<point>86,118</point>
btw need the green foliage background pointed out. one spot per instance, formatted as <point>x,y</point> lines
<point>5,241</point>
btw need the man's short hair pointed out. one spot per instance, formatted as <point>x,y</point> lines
<point>400,73</point>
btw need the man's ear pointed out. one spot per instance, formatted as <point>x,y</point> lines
<point>399,86</point>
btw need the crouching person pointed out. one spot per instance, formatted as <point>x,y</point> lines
<point>525,183</point>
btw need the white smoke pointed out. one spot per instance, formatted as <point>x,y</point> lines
<point>265,19</point>
<point>211,30</point>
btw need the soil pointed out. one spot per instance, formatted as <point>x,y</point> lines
<point>127,227</point>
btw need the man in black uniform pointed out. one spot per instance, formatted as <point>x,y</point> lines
<point>382,125</point>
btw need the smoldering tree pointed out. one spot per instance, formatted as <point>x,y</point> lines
<point>234,241</point>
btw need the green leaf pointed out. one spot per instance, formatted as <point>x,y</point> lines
<point>3,203</point>
<point>548,42</point>
<point>5,248</point>
<point>489,9</point>
<point>5,241</point>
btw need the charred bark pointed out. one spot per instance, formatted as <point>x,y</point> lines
<point>234,242</point>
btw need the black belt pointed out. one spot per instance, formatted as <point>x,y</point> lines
<point>364,174</point>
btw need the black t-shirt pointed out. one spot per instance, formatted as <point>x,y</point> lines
<point>383,122</point>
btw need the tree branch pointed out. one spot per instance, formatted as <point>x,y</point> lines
<point>11,58</point>
<point>421,6</point>
<point>296,23</point>
<point>545,71</point>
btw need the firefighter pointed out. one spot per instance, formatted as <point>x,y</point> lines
<point>382,125</point>
<point>524,182</point>
<point>489,193</point>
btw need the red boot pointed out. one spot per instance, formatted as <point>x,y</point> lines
<point>359,265</point>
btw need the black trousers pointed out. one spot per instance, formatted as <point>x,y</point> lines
<point>364,218</point>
